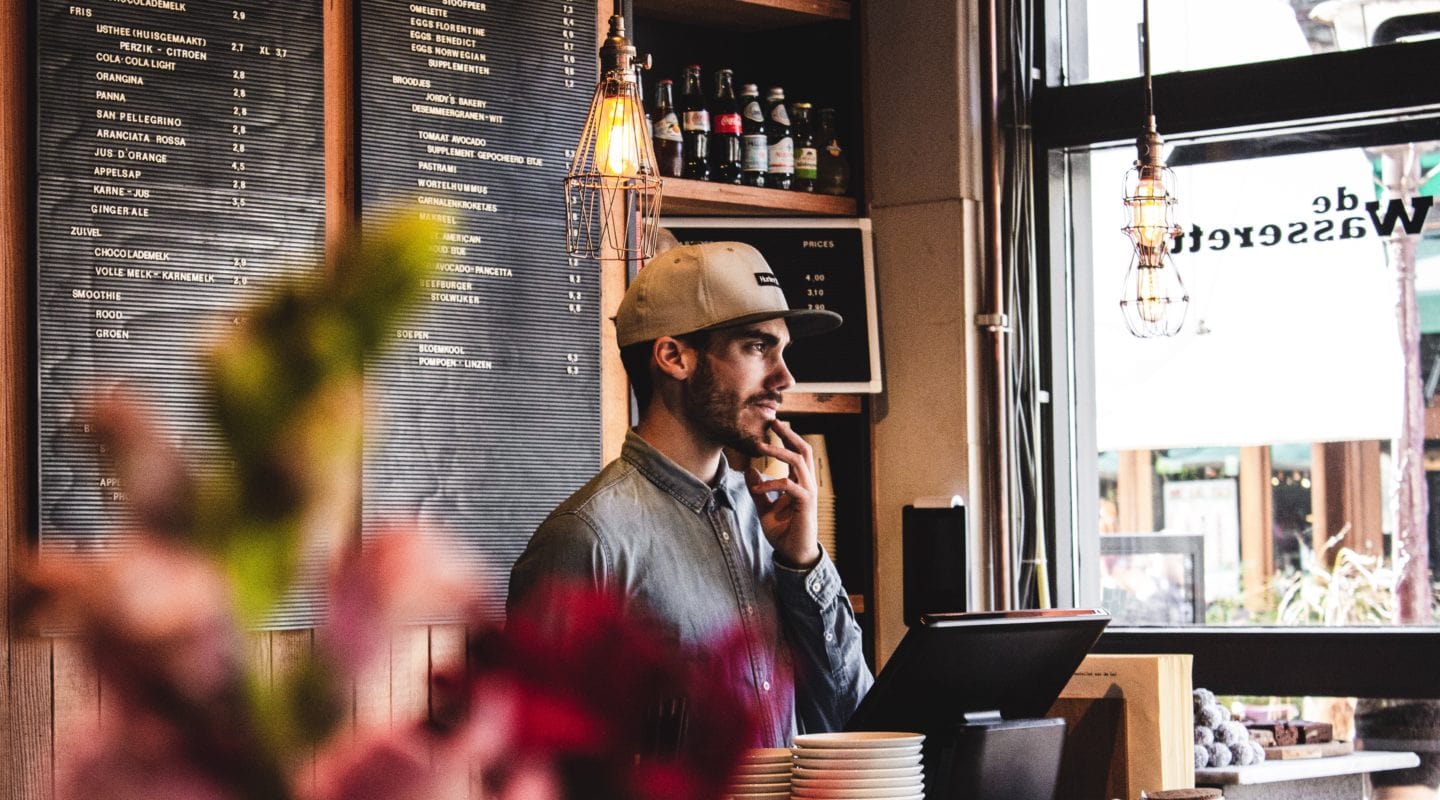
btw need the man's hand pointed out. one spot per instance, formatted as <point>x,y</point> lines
<point>789,521</point>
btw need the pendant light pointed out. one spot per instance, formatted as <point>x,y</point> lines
<point>612,190</point>
<point>1153,297</point>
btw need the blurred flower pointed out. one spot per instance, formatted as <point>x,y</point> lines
<point>575,698</point>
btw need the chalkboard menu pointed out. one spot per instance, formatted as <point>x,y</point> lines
<point>821,263</point>
<point>484,414</point>
<point>180,172</point>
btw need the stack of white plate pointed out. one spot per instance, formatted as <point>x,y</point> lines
<point>824,492</point>
<point>764,774</point>
<point>863,765</point>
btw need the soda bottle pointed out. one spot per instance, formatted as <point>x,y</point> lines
<point>780,167</point>
<point>694,127</point>
<point>725,135</point>
<point>833,173</point>
<point>806,154</point>
<point>754,155</point>
<point>665,131</point>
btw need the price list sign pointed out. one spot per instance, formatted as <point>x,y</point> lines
<point>820,263</point>
<point>180,178</point>
<point>484,413</point>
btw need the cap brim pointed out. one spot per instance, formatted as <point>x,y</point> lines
<point>802,321</point>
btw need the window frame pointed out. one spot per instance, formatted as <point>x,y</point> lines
<point>1326,87</point>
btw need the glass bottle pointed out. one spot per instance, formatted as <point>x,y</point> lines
<point>665,131</point>
<point>806,153</point>
<point>780,167</point>
<point>694,127</point>
<point>833,171</point>
<point>725,134</point>
<point>754,152</point>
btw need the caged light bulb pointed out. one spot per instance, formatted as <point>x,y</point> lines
<point>1149,205</point>
<point>617,146</point>
<point>1153,298</point>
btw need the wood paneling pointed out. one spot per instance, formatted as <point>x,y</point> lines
<point>77,702</point>
<point>24,690</point>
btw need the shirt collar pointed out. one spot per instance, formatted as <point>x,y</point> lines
<point>676,480</point>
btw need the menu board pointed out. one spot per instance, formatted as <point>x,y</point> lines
<point>484,414</point>
<point>180,168</point>
<point>820,263</point>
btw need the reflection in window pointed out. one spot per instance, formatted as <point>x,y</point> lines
<point>1266,430</point>
<point>1201,34</point>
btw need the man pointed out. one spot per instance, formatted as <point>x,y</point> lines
<point>670,527</point>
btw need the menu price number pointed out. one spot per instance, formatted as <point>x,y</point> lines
<point>572,364</point>
<point>567,33</point>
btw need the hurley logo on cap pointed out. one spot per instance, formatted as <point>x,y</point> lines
<point>767,279</point>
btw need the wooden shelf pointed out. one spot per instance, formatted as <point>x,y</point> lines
<point>800,403</point>
<point>680,197</point>
<point>744,15</point>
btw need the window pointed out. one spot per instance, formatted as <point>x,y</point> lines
<point>1206,476</point>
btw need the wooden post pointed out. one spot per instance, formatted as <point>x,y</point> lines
<point>1345,489</point>
<point>1257,521</point>
<point>1135,492</point>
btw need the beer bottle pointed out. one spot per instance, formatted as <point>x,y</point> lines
<point>806,155</point>
<point>833,172</point>
<point>754,156</point>
<point>665,131</point>
<point>780,169</point>
<point>725,137</point>
<point>694,127</point>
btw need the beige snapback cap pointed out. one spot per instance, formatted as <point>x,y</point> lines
<point>700,287</point>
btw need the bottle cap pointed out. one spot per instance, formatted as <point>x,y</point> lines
<point>749,88</point>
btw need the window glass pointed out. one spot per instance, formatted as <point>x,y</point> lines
<point>1246,467</point>
<point>1103,42</point>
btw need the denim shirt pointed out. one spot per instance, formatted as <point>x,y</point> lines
<point>696,557</point>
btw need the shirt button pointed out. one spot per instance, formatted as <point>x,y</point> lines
<point>815,586</point>
<point>765,685</point>
<point>724,536</point>
<point>748,610</point>
<point>829,637</point>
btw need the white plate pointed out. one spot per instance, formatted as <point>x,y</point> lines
<point>859,739</point>
<point>916,782</point>
<point>767,754</point>
<point>757,788</point>
<point>857,763</point>
<point>858,752</point>
<point>763,769</point>
<point>857,794</point>
<point>853,774</point>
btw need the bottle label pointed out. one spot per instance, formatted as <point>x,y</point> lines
<point>780,114</point>
<point>782,156</point>
<point>727,123</point>
<point>755,153</point>
<point>833,150</point>
<point>753,112</point>
<point>807,159</point>
<point>667,128</point>
<point>697,121</point>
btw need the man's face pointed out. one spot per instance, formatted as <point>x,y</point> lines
<point>736,388</point>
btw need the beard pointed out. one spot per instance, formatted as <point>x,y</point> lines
<point>715,411</point>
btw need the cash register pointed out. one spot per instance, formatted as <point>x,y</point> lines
<point>978,686</point>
